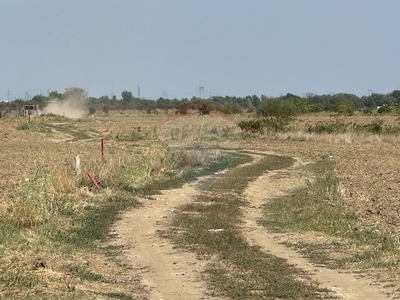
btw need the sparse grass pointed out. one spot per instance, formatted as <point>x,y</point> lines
<point>134,136</point>
<point>209,227</point>
<point>318,207</point>
<point>70,131</point>
<point>94,221</point>
<point>237,179</point>
<point>114,295</point>
<point>32,126</point>
<point>84,274</point>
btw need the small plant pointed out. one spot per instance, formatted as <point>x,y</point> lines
<point>375,126</point>
<point>23,126</point>
<point>334,127</point>
<point>367,111</point>
<point>259,126</point>
<point>384,109</point>
<point>32,126</point>
<point>134,136</point>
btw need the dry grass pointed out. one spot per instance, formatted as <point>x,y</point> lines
<point>51,218</point>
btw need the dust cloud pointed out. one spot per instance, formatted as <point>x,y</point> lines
<point>70,107</point>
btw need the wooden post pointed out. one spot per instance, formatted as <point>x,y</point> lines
<point>102,148</point>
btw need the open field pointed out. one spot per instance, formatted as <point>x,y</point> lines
<point>48,250</point>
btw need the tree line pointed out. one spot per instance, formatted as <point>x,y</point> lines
<point>290,104</point>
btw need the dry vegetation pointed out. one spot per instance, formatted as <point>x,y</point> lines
<point>47,248</point>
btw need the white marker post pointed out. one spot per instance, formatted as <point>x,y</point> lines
<point>78,164</point>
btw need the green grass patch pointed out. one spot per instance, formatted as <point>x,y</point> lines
<point>237,178</point>
<point>188,166</point>
<point>94,221</point>
<point>70,130</point>
<point>114,295</point>
<point>84,274</point>
<point>32,126</point>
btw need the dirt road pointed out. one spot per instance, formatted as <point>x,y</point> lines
<point>170,273</point>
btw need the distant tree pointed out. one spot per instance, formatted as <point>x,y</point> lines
<point>275,107</point>
<point>396,94</point>
<point>127,96</point>
<point>255,100</point>
<point>55,95</point>
<point>39,100</point>
<point>345,108</point>
<point>76,93</point>
<point>92,110</point>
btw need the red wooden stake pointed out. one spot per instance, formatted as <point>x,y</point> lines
<point>92,179</point>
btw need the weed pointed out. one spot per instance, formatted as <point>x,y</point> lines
<point>84,274</point>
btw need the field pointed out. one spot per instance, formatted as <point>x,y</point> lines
<point>48,250</point>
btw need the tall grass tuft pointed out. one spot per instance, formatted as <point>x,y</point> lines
<point>35,201</point>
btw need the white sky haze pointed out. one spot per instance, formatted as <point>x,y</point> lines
<point>230,47</point>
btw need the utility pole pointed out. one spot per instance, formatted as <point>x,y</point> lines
<point>201,91</point>
<point>138,91</point>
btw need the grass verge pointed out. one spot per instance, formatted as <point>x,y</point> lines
<point>318,207</point>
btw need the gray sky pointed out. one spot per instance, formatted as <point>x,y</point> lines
<point>230,47</point>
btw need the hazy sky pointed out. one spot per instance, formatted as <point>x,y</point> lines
<point>172,47</point>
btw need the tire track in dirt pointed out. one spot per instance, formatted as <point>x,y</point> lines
<point>170,273</point>
<point>166,272</point>
<point>343,285</point>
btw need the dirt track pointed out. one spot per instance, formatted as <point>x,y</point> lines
<point>170,273</point>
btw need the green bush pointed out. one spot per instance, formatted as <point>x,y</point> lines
<point>322,127</point>
<point>367,111</point>
<point>375,126</point>
<point>259,126</point>
<point>384,109</point>
<point>252,126</point>
<point>346,108</point>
